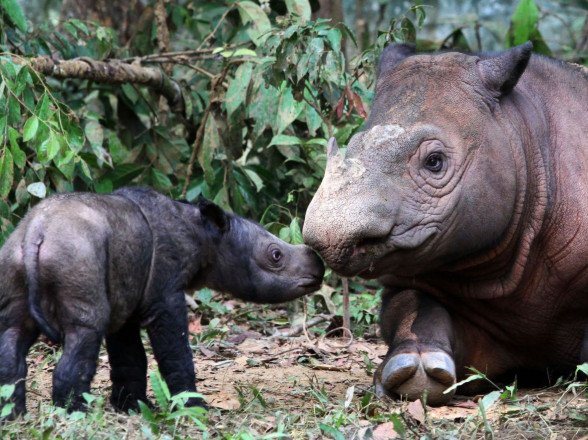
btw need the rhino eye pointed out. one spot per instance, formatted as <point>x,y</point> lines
<point>434,162</point>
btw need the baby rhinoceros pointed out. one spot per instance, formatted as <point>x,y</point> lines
<point>82,266</point>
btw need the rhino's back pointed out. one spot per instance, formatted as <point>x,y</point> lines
<point>97,248</point>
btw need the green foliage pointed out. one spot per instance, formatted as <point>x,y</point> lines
<point>6,392</point>
<point>284,88</point>
<point>524,27</point>
<point>172,409</point>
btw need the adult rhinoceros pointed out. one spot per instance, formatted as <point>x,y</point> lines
<point>466,195</point>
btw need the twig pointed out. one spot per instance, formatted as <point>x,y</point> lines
<point>211,34</point>
<point>347,344</point>
<point>297,330</point>
<point>196,148</point>
<point>279,355</point>
<point>346,315</point>
<point>200,133</point>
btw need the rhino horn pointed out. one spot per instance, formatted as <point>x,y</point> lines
<point>332,148</point>
<point>501,73</point>
<point>392,55</point>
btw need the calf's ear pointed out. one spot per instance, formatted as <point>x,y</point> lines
<point>501,73</point>
<point>213,215</point>
<point>392,55</point>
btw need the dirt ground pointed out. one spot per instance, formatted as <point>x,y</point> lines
<point>311,376</point>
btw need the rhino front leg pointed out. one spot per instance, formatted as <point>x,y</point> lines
<point>420,359</point>
<point>128,367</point>
<point>168,332</point>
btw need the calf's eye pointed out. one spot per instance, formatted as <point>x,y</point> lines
<point>276,255</point>
<point>434,162</point>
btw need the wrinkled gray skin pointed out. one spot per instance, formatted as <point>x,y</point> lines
<point>466,195</point>
<point>80,267</point>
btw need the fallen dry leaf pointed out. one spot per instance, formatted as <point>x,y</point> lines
<point>463,404</point>
<point>195,326</point>
<point>228,403</point>
<point>385,431</point>
<point>416,410</point>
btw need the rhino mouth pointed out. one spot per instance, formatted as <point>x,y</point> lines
<point>372,257</point>
<point>310,284</point>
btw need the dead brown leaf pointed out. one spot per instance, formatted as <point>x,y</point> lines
<point>416,411</point>
<point>385,431</point>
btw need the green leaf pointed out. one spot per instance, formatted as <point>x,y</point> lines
<point>524,20</point>
<point>148,416</point>
<point>30,128</point>
<point>524,27</point>
<point>288,109</point>
<point>490,399</point>
<point>237,91</point>
<point>254,178</point>
<point>53,146</point>
<point>94,133</point>
<point>7,390</point>
<point>466,380</point>
<point>103,186</point>
<point>284,139</point>
<point>583,368</point>
<point>210,143</point>
<point>259,22</point>
<point>160,180</point>
<point>38,189</point>
<point>124,174</point>
<point>85,169</point>
<point>296,232</point>
<point>14,12</point>
<point>160,390</point>
<point>331,432</point>
<point>117,150</point>
<point>6,409</point>
<point>6,173</point>
<point>13,111</point>
<point>299,8</point>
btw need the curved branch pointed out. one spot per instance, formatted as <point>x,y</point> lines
<point>113,72</point>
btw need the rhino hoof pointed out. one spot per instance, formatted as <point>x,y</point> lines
<point>410,375</point>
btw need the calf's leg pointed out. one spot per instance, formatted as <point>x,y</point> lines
<point>128,367</point>
<point>76,368</point>
<point>15,341</point>
<point>168,332</point>
<point>420,358</point>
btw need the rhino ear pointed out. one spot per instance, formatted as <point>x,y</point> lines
<point>501,73</point>
<point>392,55</point>
<point>213,215</point>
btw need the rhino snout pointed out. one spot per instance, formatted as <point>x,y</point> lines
<point>313,270</point>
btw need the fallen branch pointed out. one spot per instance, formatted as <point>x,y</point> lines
<point>112,72</point>
<point>296,330</point>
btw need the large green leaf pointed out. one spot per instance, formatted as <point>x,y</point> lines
<point>14,12</point>
<point>288,110</point>
<point>6,173</point>
<point>210,143</point>
<point>30,128</point>
<point>237,91</point>
<point>259,24</point>
<point>524,27</point>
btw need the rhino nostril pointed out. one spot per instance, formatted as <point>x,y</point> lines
<point>362,247</point>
